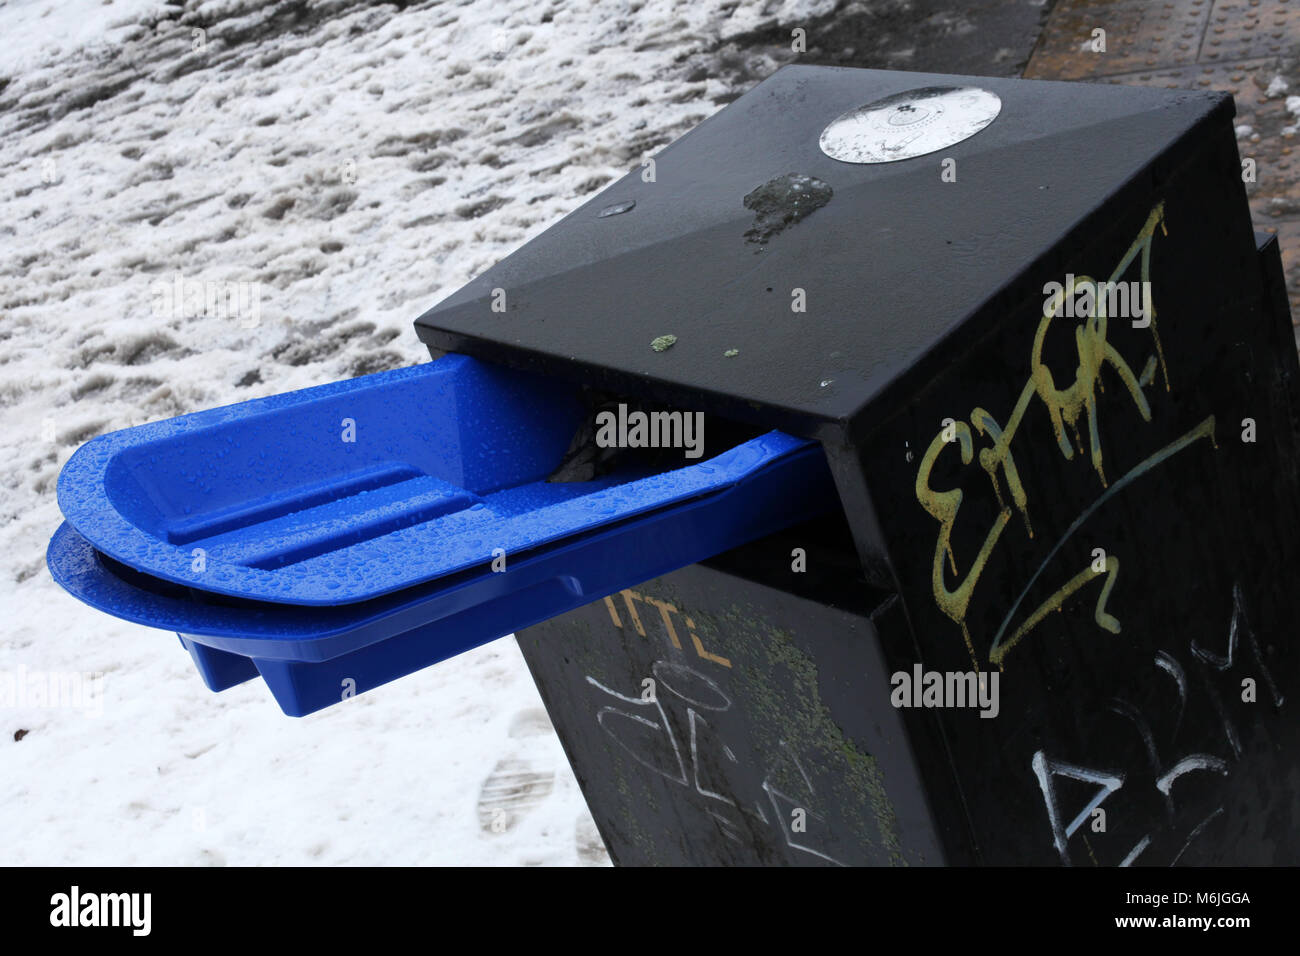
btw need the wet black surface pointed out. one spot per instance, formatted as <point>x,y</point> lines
<point>862,267</point>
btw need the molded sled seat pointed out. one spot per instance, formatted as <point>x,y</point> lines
<point>338,537</point>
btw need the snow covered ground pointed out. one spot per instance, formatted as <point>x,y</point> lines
<point>354,164</point>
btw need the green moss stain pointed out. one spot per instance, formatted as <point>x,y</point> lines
<point>776,684</point>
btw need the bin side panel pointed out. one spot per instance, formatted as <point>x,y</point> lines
<point>714,720</point>
<point>1123,559</point>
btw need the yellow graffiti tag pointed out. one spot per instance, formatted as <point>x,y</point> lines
<point>1069,409</point>
<point>1057,601</point>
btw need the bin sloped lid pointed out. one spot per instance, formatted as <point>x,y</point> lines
<point>891,263</point>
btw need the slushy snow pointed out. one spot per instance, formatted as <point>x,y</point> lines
<point>358,164</point>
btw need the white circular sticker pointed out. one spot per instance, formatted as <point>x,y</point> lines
<point>909,124</point>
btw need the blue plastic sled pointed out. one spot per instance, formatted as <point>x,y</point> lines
<point>339,537</point>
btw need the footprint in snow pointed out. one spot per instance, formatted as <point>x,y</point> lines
<point>518,782</point>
